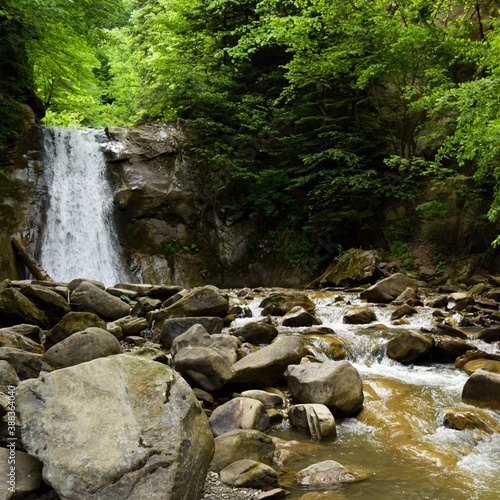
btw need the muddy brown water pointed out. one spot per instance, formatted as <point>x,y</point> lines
<point>397,444</point>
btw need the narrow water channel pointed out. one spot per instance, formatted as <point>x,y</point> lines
<point>398,441</point>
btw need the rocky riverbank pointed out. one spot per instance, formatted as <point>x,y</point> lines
<point>155,391</point>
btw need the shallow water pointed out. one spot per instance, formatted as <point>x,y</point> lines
<point>431,462</point>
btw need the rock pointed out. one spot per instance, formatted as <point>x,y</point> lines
<point>469,418</point>
<point>71,323</point>
<point>87,297</point>
<point>8,376</point>
<point>142,405</point>
<point>249,474</point>
<point>316,419</point>
<point>448,349</point>
<point>482,389</point>
<point>268,399</point>
<point>145,305</point>
<point>444,329</point>
<point>172,328</point>
<point>279,303</point>
<point>241,444</point>
<point>256,333</point>
<point>26,364</point>
<point>119,291</point>
<point>274,494</point>
<point>408,296</point>
<point>74,284</point>
<point>318,330</point>
<point>388,289</point>
<point>202,301</point>
<point>9,338</point>
<point>489,365</point>
<point>115,330</point>
<point>325,473</point>
<point>131,325</point>
<point>335,384</point>
<point>204,366</point>
<point>33,332</point>
<point>227,346</point>
<point>489,335</point>
<point>46,299</point>
<point>475,355</point>
<point>135,340</point>
<point>267,366</point>
<point>402,311</point>
<point>91,343</point>
<point>151,354</point>
<point>27,479</point>
<point>462,301</point>
<point>355,267</point>
<point>239,413</point>
<point>439,302</point>
<point>409,346</point>
<point>203,396</point>
<point>16,308</point>
<point>333,347</point>
<point>298,317</point>
<point>359,316</point>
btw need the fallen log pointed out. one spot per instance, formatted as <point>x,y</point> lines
<point>30,262</point>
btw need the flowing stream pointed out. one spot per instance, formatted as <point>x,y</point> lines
<point>403,449</point>
<point>79,239</point>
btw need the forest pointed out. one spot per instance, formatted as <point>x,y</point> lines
<point>312,115</point>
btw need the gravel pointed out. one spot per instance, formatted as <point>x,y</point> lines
<point>215,490</point>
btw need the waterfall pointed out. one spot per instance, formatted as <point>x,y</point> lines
<point>79,240</point>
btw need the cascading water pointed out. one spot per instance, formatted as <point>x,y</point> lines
<point>79,240</point>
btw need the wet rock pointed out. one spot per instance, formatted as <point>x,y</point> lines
<point>333,347</point>
<point>26,364</point>
<point>239,413</point>
<point>439,302</point>
<point>249,474</point>
<point>316,419</point>
<point>298,317</point>
<point>482,389</point>
<point>16,308</point>
<point>256,332</point>
<point>489,365</point>
<point>318,330</point>
<point>267,366</point>
<point>274,494</point>
<point>204,366</point>
<point>407,296</point>
<point>388,289</point>
<point>409,346</point>
<point>448,349</point>
<point>335,384</point>
<point>461,300</point>
<point>9,338</point>
<point>325,473</point>
<point>475,355</point>
<point>359,316</point>
<point>87,297</point>
<point>403,311</point>
<point>71,323</point>
<point>460,418</point>
<point>268,399</point>
<point>202,301</point>
<point>239,445</point>
<point>8,375</point>
<point>489,335</point>
<point>143,405</point>
<point>172,328</point>
<point>444,329</point>
<point>28,475</point>
<point>279,303</point>
<point>81,347</point>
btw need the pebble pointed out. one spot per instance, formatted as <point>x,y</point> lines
<point>215,490</point>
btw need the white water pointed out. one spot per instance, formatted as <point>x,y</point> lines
<point>79,240</point>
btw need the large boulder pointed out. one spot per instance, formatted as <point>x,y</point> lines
<point>81,347</point>
<point>482,389</point>
<point>10,338</point>
<point>256,332</point>
<point>73,322</point>
<point>460,418</point>
<point>335,384</point>
<point>174,327</point>
<point>116,427</point>
<point>359,316</point>
<point>489,335</point>
<point>409,346</point>
<point>298,317</point>
<point>388,289</point>
<point>87,297</point>
<point>327,473</point>
<point>267,365</point>
<point>239,413</point>
<point>204,367</point>
<point>202,301</point>
<point>131,325</point>
<point>241,444</point>
<point>249,474</point>
<point>355,267</point>
<point>448,349</point>
<point>279,303</point>
<point>46,299</point>
<point>17,308</point>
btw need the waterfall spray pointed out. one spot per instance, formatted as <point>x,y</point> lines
<point>79,239</point>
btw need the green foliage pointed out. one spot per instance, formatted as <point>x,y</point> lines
<point>171,247</point>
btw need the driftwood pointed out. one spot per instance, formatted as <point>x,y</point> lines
<point>30,262</point>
